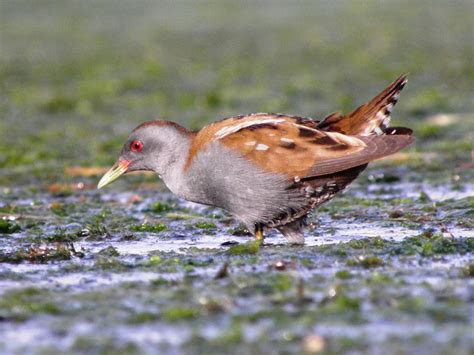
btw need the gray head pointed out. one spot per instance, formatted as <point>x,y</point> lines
<point>159,146</point>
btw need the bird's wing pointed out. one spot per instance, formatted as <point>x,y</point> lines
<point>372,118</point>
<point>227,126</point>
<point>280,144</point>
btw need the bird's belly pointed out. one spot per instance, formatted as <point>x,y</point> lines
<point>222,178</point>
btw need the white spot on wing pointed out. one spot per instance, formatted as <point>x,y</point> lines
<point>261,146</point>
<point>225,131</point>
<point>287,140</point>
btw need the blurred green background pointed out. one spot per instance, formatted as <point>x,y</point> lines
<point>77,76</point>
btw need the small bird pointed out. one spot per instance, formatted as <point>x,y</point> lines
<point>267,170</point>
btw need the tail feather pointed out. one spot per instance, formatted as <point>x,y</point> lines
<point>372,118</point>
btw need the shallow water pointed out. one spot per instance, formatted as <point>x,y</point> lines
<point>158,289</point>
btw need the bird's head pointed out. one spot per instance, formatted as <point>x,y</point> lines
<point>152,146</point>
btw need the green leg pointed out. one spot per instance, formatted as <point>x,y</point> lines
<point>259,233</point>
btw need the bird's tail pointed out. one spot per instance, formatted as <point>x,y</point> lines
<point>372,118</point>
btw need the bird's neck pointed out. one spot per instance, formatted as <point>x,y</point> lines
<point>173,164</point>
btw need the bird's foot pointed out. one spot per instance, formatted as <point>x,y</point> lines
<point>259,234</point>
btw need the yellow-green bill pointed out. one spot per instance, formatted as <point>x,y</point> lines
<point>117,170</point>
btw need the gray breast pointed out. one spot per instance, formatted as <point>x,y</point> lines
<point>221,177</point>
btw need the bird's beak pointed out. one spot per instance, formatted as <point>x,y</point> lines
<point>117,170</point>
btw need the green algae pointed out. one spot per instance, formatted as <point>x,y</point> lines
<point>343,274</point>
<point>180,216</point>
<point>428,245</point>
<point>366,261</point>
<point>61,236</point>
<point>111,264</point>
<point>342,303</point>
<point>8,227</point>
<point>145,227</point>
<point>377,278</point>
<point>251,247</point>
<point>280,282</point>
<point>103,345</point>
<point>205,225</point>
<point>174,314</point>
<point>161,207</point>
<point>155,260</point>
<point>142,317</point>
<point>109,251</point>
<point>21,305</point>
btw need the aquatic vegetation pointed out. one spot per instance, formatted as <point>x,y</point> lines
<point>173,314</point>
<point>428,245</point>
<point>366,261</point>
<point>109,251</point>
<point>251,247</point>
<point>162,207</point>
<point>8,227</point>
<point>21,305</point>
<point>145,227</point>
<point>205,225</point>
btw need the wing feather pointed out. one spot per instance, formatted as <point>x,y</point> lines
<point>296,150</point>
<point>292,145</point>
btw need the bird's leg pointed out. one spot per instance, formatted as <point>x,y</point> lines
<point>259,232</point>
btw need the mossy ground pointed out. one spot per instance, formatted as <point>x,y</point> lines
<point>387,266</point>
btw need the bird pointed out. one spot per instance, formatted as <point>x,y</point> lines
<point>268,170</point>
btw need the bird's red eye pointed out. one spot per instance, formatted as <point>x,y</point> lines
<point>136,146</point>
